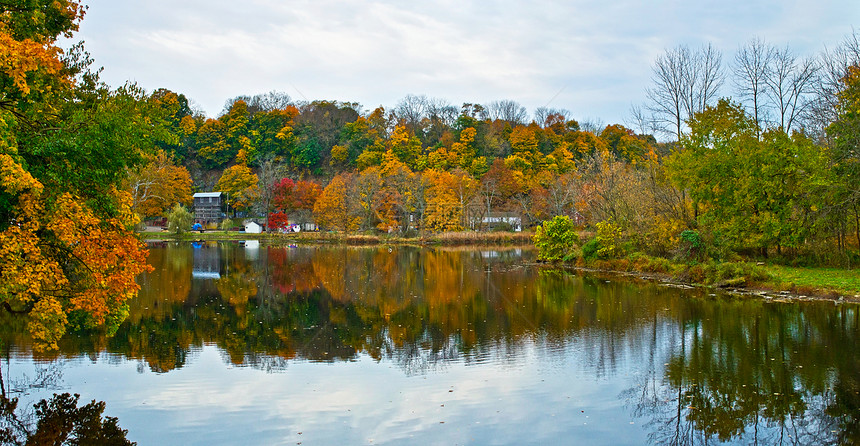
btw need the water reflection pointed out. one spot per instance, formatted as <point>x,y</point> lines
<point>697,368</point>
<point>55,420</point>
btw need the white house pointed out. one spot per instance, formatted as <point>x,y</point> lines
<point>512,219</point>
<point>252,227</point>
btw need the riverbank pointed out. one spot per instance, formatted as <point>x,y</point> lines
<point>765,280</point>
<point>464,238</point>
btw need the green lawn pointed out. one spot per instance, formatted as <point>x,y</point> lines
<point>843,281</point>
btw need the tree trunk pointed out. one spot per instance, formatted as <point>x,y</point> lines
<point>857,224</point>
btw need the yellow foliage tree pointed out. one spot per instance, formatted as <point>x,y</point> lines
<point>447,195</point>
<point>159,185</point>
<point>240,184</point>
<point>332,210</point>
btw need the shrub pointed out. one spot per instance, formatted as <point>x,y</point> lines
<point>179,219</point>
<point>608,237</point>
<point>590,248</point>
<point>555,238</point>
<point>691,246</point>
<point>226,224</point>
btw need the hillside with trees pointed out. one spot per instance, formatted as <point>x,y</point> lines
<point>756,155</point>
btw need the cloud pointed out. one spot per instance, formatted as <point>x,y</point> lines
<point>598,55</point>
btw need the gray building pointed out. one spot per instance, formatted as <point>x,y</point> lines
<point>210,208</point>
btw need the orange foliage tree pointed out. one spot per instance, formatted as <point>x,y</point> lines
<point>332,210</point>
<point>159,185</point>
<point>67,253</point>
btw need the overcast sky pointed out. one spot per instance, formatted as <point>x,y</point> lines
<point>590,57</point>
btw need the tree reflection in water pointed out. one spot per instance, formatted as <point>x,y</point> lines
<point>57,420</point>
<point>755,372</point>
<point>709,369</point>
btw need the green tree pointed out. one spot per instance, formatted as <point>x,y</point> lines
<point>555,238</point>
<point>845,136</point>
<point>179,219</point>
<point>755,193</point>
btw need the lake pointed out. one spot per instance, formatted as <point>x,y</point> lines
<point>241,343</point>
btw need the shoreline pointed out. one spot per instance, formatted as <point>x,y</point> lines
<point>767,291</point>
<point>440,239</point>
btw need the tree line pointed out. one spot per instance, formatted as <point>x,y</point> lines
<point>769,169</point>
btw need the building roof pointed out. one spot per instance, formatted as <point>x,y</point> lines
<point>208,194</point>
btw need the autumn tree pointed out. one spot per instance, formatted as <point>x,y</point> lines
<point>67,252</point>
<point>318,129</point>
<point>365,194</point>
<point>362,141</point>
<point>296,198</point>
<point>240,185</point>
<point>213,149</point>
<point>273,135</point>
<point>158,185</point>
<point>406,146</point>
<point>497,186</point>
<point>175,112</point>
<point>333,210</point>
<point>623,143</point>
<point>401,196</point>
<point>525,154</point>
<point>448,195</point>
<point>443,208</point>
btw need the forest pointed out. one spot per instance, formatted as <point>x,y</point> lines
<point>754,155</point>
<point>771,169</point>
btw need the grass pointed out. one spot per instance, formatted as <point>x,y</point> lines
<point>480,238</point>
<point>816,280</point>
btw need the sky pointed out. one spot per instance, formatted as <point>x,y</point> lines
<point>591,58</point>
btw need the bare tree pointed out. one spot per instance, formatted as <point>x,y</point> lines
<point>832,68</point>
<point>546,117</point>
<point>704,79</point>
<point>270,172</point>
<point>273,100</point>
<point>593,125</point>
<point>751,73</point>
<point>790,82</point>
<point>644,122</point>
<point>666,96</point>
<point>562,194</point>
<point>411,111</point>
<point>685,82</point>
<point>441,116</point>
<point>506,110</point>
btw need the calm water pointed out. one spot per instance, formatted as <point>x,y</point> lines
<point>234,344</point>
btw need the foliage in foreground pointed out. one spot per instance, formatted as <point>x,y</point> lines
<point>67,250</point>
